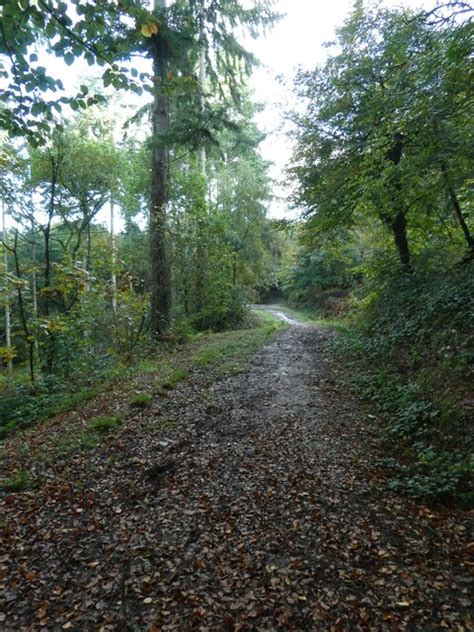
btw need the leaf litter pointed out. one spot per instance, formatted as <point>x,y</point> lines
<point>249,502</point>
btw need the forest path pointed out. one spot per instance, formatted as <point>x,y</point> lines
<point>248,503</point>
<point>278,310</point>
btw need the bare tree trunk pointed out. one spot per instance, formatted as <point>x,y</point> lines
<point>8,329</point>
<point>34,288</point>
<point>22,312</point>
<point>202,82</point>
<point>200,249</point>
<point>159,193</point>
<point>457,208</point>
<point>113,278</point>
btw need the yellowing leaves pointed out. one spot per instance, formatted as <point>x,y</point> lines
<point>149,29</point>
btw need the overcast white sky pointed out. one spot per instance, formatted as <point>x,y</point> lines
<point>297,40</point>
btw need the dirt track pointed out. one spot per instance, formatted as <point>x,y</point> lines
<point>258,509</point>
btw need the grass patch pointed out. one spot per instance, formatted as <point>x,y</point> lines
<point>25,409</point>
<point>85,441</point>
<point>103,424</point>
<point>207,357</point>
<point>141,400</point>
<point>17,482</point>
<point>174,378</point>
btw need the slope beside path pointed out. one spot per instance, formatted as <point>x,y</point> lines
<point>249,503</point>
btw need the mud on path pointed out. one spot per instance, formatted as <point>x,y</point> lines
<point>257,509</point>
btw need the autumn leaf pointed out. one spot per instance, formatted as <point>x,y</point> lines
<point>149,29</point>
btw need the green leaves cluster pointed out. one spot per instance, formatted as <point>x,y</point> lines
<point>384,141</point>
<point>100,33</point>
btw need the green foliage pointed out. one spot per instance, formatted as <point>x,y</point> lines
<point>22,406</point>
<point>141,400</point>
<point>174,378</point>
<point>70,35</point>
<point>104,424</point>
<point>383,145</point>
<point>222,249</point>
<point>416,335</point>
<point>17,482</point>
<point>433,461</point>
<point>444,477</point>
<point>381,170</point>
<point>319,268</point>
<point>424,317</point>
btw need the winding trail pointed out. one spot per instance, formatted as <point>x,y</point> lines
<point>257,509</point>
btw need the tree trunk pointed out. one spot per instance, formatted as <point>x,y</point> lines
<point>160,266</point>
<point>34,289</point>
<point>399,229</point>
<point>22,312</point>
<point>398,223</point>
<point>457,208</point>
<point>8,329</point>
<point>202,82</point>
<point>113,276</point>
<point>200,250</point>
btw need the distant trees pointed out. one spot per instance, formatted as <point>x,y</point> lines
<point>177,39</point>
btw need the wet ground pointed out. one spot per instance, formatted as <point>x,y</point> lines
<point>248,503</point>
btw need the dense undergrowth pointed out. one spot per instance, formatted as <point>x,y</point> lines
<point>409,345</point>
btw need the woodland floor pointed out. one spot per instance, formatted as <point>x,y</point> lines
<point>249,502</point>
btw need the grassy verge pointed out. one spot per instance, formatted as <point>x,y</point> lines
<point>137,384</point>
<point>122,401</point>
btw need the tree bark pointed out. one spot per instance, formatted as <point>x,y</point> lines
<point>113,276</point>
<point>8,331</point>
<point>398,222</point>
<point>202,82</point>
<point>457,208</point>
<point>22,312</point>
<point>159,192</point>
<point>399,229</point>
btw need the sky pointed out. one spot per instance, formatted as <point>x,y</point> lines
<point>296,41</point>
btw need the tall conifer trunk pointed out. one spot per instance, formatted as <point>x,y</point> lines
<point>200,249</point>
<point>159,193</point>
<point>8,333</point>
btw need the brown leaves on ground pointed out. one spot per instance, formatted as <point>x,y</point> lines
<point>257,508</point>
